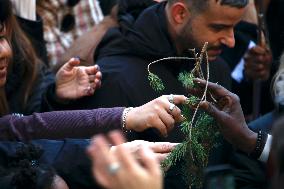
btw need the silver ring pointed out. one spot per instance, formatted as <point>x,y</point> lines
<point>171,98</point>
<point>113,168</point>
<point>172,106</point>
<point>88,89</point>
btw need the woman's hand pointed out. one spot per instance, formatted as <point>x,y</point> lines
<point>73,81</point>
<point>119,169</point>
<point>159,113</point>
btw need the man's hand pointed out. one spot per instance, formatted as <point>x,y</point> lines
<point>257,63</point>
<point>228,113</point>
<point>73,81</point>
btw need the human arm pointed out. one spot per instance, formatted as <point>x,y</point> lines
<point>228,113</point>
<point>60,124</point>
<point>85,123</point>
<point>119,169</point>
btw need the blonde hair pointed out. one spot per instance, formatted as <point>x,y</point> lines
<point>278,82</point>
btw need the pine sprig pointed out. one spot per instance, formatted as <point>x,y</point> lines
<point>155,82</point>
<point>200,129</point>
<point>186,79</point>
<point>175,155</point>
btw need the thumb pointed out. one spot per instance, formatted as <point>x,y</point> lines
<point>71,64</point>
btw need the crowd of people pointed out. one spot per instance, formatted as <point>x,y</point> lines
<point>77,109</point>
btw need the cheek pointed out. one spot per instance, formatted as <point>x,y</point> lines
<point>5,49</point>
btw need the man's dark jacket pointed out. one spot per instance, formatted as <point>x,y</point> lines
<point>124,54</point>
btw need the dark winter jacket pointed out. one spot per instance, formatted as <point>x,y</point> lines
<point>15,81</point>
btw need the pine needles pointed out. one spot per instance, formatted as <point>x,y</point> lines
<point>200,129</point>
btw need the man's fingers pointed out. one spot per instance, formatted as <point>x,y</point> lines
<point>215,89</point>
<point>212,110</point>
<point>258,50</point>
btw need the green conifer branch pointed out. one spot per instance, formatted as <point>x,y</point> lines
<point>200,129</point>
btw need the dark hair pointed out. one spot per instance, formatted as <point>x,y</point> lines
<point>5,10</point>
<point>201,5</point>
<point>24,171</point>
<point>24,57</point>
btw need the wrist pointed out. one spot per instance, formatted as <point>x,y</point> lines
<point>251,142</point>
<point>58,96</point>
<point>126,120</point>
<point>260,142</point>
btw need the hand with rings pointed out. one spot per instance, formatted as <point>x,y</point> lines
<point>73,81</point>
<point>159,113</point>
<point>161,149</point>
<point>120,169</point>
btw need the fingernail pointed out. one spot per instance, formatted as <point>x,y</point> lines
<point>77,58</point>
<point>98,67</point>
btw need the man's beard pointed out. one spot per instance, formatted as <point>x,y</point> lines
<point>187,41</point>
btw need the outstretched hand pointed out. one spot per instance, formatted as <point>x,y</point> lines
<point>120,169</point>
<point>159,113</point>
<point>73,81</point>
<point>160,149</point>
<point>228,113</point>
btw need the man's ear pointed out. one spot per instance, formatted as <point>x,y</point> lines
<point>180,13</point>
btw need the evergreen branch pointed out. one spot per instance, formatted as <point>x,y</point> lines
<point>155,82</point>
<point>199,128</point>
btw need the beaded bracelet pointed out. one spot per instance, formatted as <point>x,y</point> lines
<point>260,143</point>
<point>124,116</point>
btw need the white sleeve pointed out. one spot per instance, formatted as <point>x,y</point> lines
<point>265,153</point>
<point>25,9</point>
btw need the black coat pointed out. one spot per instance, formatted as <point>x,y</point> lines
<point>15,82</point>
<point>124,54</point>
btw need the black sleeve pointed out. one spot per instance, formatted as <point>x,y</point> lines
<point>106,5</point>
<point>44,78</point>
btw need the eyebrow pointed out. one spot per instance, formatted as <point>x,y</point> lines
<point>221,25</point>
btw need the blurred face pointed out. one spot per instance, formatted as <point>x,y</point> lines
<point>5,55</point>
<point>214,25</point>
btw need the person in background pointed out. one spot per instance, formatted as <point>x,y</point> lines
<point>64,21</point>
<point>251,61</point>
<point>159,114</point>
<point>24,78</point>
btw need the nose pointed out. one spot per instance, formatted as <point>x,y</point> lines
<point>229,39</point>
<point>5,49</point>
